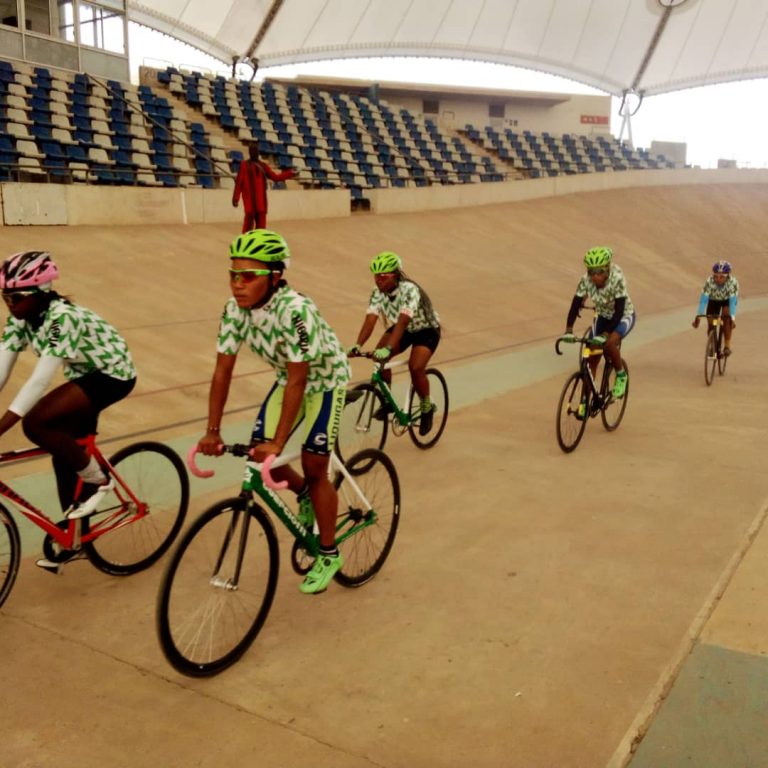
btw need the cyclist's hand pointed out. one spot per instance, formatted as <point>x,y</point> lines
<point>353,351</point>
<point>210,444</point>
<point>696,321</point>
<point>381,354</point>
<point>598,340</point>
<point>261,451</point>
<point>568,337</point>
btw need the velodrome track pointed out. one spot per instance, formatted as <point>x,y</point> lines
<point>534,605</point>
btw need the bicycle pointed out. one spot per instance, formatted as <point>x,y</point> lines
<point>221,579</point>
<point>581,398</point>
<point>371,407</point>
<point>130,530</point>
<point>714,356</point>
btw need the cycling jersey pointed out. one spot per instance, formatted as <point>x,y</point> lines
<point>728,291</point>
<point>604,298</point>
<point>83,340</point>
<point>287,329</point>
<point>404,300</point>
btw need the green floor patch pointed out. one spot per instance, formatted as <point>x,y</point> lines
<point>715,717</point>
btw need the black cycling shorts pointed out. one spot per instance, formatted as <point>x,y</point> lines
<point>427,337</point>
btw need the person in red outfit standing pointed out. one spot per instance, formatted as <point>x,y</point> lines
<point>251,185</point>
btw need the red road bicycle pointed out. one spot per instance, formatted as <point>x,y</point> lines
<point>132,527</point>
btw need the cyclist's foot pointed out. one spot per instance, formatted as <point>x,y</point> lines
<point>52,566</point>
<point>581,411</point>
<point>425,422</point>
<point>306,513</point>
<point>382,412</point>
<point>89,506</point>
<point>319,577</point>
<point>620,385</point>
<point>726,352</point>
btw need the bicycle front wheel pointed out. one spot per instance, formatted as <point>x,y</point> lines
<point>438,394</point>
<point>10,553</point>
<point>218,588</point>
<point>374,510</point>
<point>572,412</point>
<point>154,477</point>
<point>710,357</point>
<point>363,422</point>
<point>613,411</point>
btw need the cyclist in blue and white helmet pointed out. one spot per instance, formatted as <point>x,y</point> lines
<point>720,297</point>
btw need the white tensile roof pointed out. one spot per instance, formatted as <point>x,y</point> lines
<point>650,46</point>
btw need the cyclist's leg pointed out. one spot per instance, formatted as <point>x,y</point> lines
<point>386,374</point>
<point>613,351</point>
<point>264,429</point>
<point>423,345</point>
<point>68,412</point>
<point>323,413</point>
<point>727,328</point>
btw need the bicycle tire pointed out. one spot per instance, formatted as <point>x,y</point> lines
<point>612,411</point>
<point>710,357</point>
<point>365,552</point>
<point>569,425</point>
<point>722,360</point>
<point>438,394</point>
<point>358,429</point>
<point>205,627</point>
<point>155,473</point>
<point>10,553</point>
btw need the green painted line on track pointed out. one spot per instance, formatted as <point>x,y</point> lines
<point>469,383</point>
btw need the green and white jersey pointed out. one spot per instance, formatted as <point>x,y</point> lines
<point>404,300</point>
<point>287,329</point>
<point>721,292</point>
<point>86,342</point>
<point>604,298</point>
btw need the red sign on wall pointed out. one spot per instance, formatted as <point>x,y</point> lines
<point>595,119</point>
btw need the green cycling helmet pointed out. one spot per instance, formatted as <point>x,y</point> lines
<point>260,245</point>
<point>598,257</point>
<point>386,261</point>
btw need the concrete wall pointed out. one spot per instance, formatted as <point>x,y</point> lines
<point>80,204</point>
<point>557,118</point>
<point>467,195</point>
<point>72,204</point>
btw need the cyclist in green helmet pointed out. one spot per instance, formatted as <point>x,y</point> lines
<point>287,331</point>
<point>605,285</point>
<point>410,321</point>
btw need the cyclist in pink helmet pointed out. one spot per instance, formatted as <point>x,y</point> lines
<point>720,296</point>
<point>89,351</point>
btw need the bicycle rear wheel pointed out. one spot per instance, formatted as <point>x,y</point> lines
<point>613,411</point>
<point>710,357</point>
<point>722,360</point>
<point>156,477</point>
<point>10,553</point>
<point>218,588</point>
<point>366,550</point>
<point>363,422</point>
<point>570,422</point>
<point>438,394</point>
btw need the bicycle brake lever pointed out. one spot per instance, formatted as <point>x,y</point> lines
<point>269,481</point>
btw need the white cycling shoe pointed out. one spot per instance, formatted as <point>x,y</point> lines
<point>91,504</point>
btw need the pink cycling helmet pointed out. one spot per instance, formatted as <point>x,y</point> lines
<point>28,269</point>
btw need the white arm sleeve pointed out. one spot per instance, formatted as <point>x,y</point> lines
<point>7,361</point>
<point>36,385</point>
